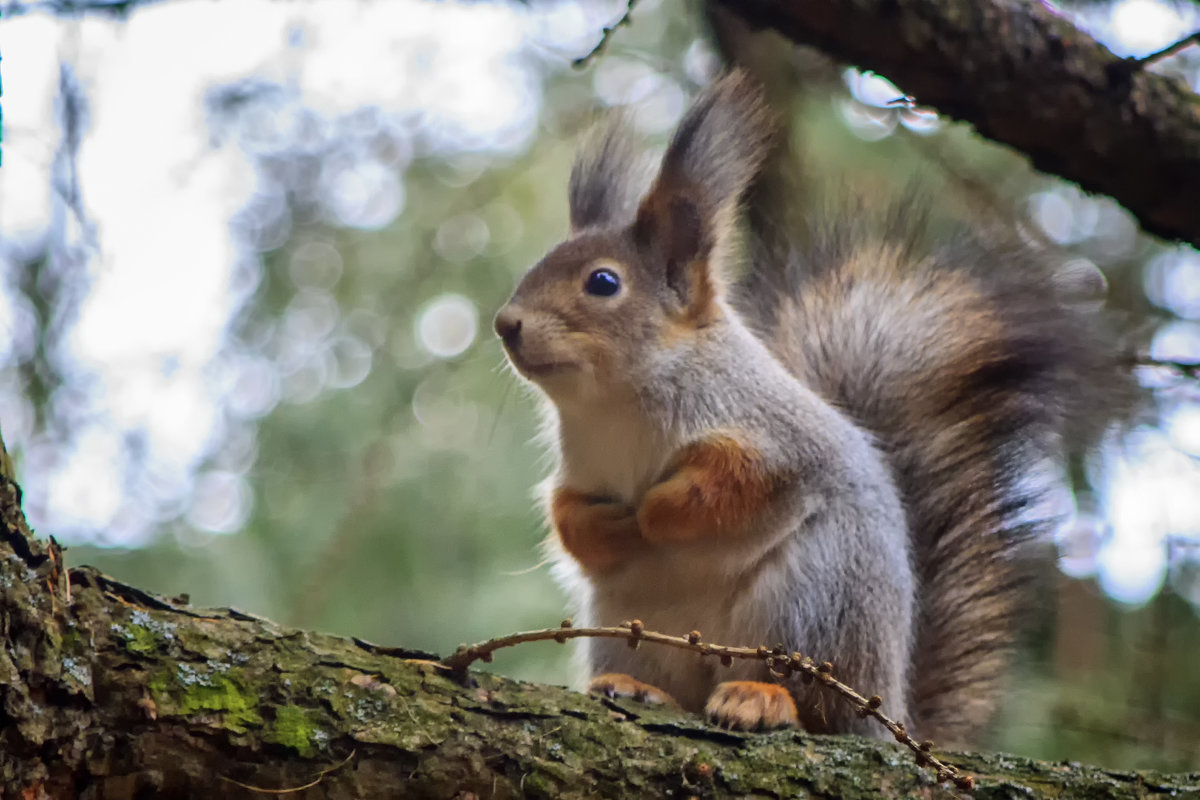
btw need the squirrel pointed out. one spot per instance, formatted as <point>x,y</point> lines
<point>842,451</point>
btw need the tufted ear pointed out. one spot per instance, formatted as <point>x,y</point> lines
<point>600,192</point>
<point>686,220</point>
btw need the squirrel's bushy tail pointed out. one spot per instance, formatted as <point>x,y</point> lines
<point>977,365</point>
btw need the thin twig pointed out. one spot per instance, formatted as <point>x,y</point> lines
<point>1189,369</point>
<point>1169,50</point>
<point>780,663</point>
<point>320,777</point>
<point>59,575</point>
<point>1126,67</point>
<point>583,60</point>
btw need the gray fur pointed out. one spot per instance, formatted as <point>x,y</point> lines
<point>970,359</point>
<point>908,399</point>
<point>720,142</point>
<point>826,571</point>
<point>600,191</point>
<point>712,158</point>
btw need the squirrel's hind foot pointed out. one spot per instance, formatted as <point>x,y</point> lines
<point>751,706</point>
<point>618,684</point>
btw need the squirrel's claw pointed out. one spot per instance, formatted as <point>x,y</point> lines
<point>618,684</point>
<point>751,706</point>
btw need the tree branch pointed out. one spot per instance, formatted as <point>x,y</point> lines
<point>1026,77</point>
<point>73,8</point>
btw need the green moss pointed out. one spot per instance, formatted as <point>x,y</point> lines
<point>188,691</point>
<point>144,634</point>
<point>139,640</point>
<point>296,728</point>
<point>72,641</point>
<point>537,785</point>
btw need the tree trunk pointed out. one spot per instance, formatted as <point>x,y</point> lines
<point>108,692</point>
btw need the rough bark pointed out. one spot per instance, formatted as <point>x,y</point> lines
<point>1026,77</point>
<point>108,692</point>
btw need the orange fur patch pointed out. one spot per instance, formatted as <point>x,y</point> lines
<point>618,684</point>
<point>599,534</point>
<point>703,308</point>
<point>751,706</point>
<point>717,487</point>
<point>702,311</point>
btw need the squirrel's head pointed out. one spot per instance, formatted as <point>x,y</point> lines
<point>637,281</point>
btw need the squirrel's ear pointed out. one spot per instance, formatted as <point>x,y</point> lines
<point>686,219</point>
<point>599,193</point>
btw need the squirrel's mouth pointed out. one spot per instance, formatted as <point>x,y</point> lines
<point>537,369</point>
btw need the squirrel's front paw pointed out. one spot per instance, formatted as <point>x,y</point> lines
<point>618,684</point>
<point>715,487</point>
<point>600,534</point>
<point>751,706</point>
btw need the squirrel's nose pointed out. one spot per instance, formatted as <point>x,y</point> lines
<point>508,326</point>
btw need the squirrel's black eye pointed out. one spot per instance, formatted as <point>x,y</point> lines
<point>602,282</point>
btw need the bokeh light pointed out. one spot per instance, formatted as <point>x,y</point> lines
<point>447,326</point>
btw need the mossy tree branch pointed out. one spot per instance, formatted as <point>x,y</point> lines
<point>1024,76</point>
<point>109,692</point>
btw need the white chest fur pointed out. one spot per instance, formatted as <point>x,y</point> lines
<point>614,453</point>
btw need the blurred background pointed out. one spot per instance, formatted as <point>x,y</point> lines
<point>249,254</point>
